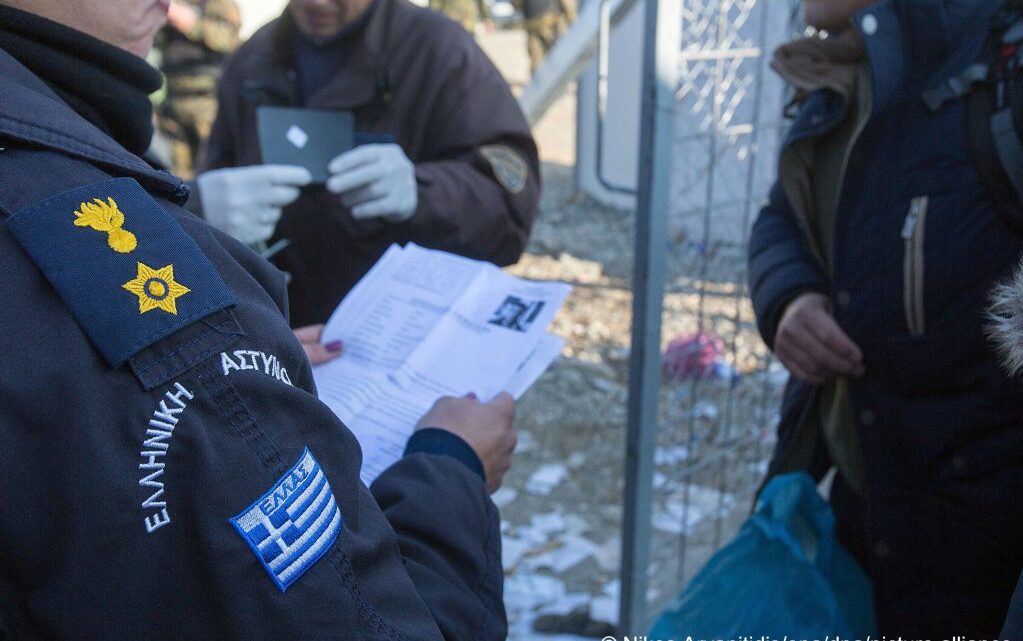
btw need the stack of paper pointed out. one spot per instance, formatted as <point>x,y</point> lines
<point>424,324</point>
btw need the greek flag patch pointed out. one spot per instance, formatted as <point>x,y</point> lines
<point>291,526</point>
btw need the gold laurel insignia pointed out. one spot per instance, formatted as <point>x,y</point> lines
<point>106,217</point>
<point>156,289</point>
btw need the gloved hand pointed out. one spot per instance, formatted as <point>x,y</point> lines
<point>245,202</point>
<point>375,181</point>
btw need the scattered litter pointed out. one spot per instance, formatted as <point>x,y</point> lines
<point>504,496</point>
<point>777,374</point>
<point>613,588</point>
<point>604,609</point>
<point>680,517</point>
<point>548,522</point>
<point>565,555</point>
<point>526,442</point>
<point>575,524</point>
<point>607,386</point>
<point>692,356</point>
<point>706,410</point>
<point>671,455</point>
<point>527,591</point>
<point>512,551</point>
<point>609,555</point>
<point>546,478</point>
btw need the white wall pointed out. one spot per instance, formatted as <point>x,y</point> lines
<point>256,13</point>
<point>727,120</point>
<point>621,126</point>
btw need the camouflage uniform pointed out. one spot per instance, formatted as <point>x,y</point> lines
<point>545,21</point>
<point>465,12</point>
<point>191,63</point>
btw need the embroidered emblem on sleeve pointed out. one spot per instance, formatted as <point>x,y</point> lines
<point>106,217</point>
<point>509,167</point>
<point>293,524</point>
<point>156,289</point>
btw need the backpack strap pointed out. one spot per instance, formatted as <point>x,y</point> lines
<point>993,88</point>
<point>956,87</point>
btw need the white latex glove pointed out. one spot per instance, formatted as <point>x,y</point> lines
<point>375,181</point>
<point>245,202</point>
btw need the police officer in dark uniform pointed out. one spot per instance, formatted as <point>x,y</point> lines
<point>445,157</point>
<point>150,490</point>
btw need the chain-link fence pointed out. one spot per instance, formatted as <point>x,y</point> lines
<point>721,388</point>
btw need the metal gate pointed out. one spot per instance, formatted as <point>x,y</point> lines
<point>714,398</point>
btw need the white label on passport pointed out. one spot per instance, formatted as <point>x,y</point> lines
<point>297,137</point>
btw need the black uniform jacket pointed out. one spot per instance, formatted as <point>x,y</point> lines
<point>166,471</point>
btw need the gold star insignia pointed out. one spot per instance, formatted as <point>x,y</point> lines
<point>156,289</point>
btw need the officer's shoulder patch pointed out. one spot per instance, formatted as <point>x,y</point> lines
<point>120,262</point>
<point>293,524</point>
<point>510,168</point>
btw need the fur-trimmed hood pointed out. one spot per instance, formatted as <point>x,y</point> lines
<point>1005,316</point>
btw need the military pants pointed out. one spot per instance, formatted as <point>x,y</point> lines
<point>464,12</point>
<point>185,121</point>
<point>541,33</point>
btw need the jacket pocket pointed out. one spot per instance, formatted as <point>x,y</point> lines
<point>913,265</point>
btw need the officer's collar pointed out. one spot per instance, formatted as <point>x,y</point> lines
<point>105,84</point>
<point>31,113</point>
<point>910,41</point>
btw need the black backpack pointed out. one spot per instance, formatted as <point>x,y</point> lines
<point>993,87</point>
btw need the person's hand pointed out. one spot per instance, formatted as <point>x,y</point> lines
<point>182,17</point>
<point>245,202</point>
<point>487,428</point>
<point>811,344</point>
<point>317,352</point>
<point>375,181</point>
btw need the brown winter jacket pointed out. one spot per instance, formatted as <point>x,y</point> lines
<point>414,75</point>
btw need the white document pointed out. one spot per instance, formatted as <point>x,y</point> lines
<point>424,324</point>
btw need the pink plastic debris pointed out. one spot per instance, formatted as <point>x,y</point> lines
<point>692,356</point>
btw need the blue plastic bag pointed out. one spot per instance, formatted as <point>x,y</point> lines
<point>782,574</point>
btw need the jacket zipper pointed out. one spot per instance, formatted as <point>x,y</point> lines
<point>913,265</point>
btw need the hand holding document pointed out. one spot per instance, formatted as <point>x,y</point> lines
<point>423,324</point>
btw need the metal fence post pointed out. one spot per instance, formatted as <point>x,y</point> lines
<point>661,44</point>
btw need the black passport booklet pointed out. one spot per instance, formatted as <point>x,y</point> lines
<point>310,138</point>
